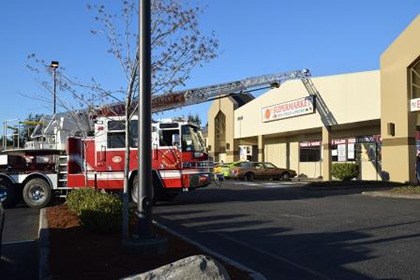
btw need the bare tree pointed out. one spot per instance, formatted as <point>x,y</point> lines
<point>178,46</point>
<point>177,42</point>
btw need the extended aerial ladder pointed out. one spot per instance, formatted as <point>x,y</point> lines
<point>182,98</point>
<point>54,130</point>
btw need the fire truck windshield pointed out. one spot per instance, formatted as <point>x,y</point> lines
<point>192,140</point>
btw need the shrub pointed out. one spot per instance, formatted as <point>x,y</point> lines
<point>345,171</point>
<point>79,199</point>
<point>100,212</point>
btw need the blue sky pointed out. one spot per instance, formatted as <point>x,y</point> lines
<point>256,37</point>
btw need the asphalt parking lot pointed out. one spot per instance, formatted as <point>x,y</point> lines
<point>285,231</point>
<point>279,229</point>
<point>19,258</point>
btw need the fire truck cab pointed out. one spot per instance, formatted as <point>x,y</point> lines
<point>179,158</point>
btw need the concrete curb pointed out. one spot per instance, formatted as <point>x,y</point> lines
<point>254,274</point>
<point>391,194</point>
<point>43,246</point>
<point>44,250</point>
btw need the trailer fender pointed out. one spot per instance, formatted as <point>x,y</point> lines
<point>39,175</point>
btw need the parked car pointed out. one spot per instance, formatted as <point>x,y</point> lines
<point>249,171</point>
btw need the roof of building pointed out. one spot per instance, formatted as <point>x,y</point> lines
<point>242,99</point>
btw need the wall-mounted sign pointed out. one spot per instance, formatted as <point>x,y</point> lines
<point>306,144</point>
<point>341,152</point>
<point>293,108</point>
<point>338,141</point>
<point>414,104</point>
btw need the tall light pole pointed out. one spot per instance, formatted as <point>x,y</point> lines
<point>144,207</point>
<point>54,66</point>
<point>144,241</point>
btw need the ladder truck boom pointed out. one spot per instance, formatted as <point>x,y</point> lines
<point>81,122</point>
<point>188,97</point>
<point>173,100</point>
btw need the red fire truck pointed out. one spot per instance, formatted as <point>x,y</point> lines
<point>87,148</point>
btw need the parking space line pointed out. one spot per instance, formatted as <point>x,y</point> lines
<point>18,242</point>
<point>267,184</point>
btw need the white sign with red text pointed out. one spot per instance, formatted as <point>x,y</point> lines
<point>415,105</point>
<point>293,108</point>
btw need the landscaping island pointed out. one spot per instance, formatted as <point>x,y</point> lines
<point>78,253</point>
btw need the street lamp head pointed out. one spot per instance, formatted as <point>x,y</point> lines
<point>54,64</point>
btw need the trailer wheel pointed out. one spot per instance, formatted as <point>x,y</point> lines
<point>37,193</point>
<point>134,191</point>
<point>8,193</point>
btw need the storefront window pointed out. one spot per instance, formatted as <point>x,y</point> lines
<point>349,149</point>
<point>372,148</point>
<point>310,151</point>
<point>343,150</point>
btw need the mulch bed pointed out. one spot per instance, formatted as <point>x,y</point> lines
<point>77,253</point>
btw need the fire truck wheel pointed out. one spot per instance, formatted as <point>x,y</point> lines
<point>37,193</point>
<point>134,191</point>
<point>8,193</point>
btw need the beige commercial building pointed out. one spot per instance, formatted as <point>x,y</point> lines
<point>370,118</point>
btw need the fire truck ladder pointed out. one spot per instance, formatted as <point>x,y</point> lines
<point>62,171</point>
<point>178,99</point>
<point>327,116</point>
<point>183,98</point>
